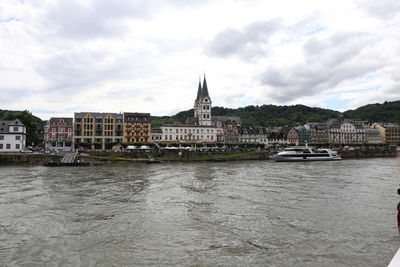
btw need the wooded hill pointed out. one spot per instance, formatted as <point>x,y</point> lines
<point>272,115</point>
<point>386,112</point>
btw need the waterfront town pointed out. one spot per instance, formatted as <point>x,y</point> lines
<point>101,131</point>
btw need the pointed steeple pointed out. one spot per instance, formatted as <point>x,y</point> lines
<point>199,91</point>
<point>204,92</point>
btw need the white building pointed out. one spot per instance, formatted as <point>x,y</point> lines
<point>249,134</point>
<point>192,134</point>
<point>346,131</point>
<point>199,128</point>
<point>12,136</point>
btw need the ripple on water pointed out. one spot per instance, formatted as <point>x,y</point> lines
<point>233,213</point>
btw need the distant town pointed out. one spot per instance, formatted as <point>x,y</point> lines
<point>95,131</point>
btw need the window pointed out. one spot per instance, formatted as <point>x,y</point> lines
<point>17,137</point>
<point>1,146</point>
<point>17,146</point>
<point>15,129</point>
<point>8,146</point>
<point>1,137</point>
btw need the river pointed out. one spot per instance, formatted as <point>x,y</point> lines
<point>246,213</point>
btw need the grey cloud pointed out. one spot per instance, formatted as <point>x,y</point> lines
<point>327,64</point>
<point>70,19</point>
<point>100,18</point>
<point>246,43</point>
<point>71,71</point>
<point>8,95</point>
<point>382,9</point>
<point>149,99</point>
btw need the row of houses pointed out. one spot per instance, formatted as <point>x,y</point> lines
<point>101,131</point>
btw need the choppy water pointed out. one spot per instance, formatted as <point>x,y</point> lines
<point>235,213</point>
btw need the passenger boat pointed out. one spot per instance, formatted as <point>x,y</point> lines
<point>306,153</point>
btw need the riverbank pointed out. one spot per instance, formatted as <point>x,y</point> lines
<point>178,156</point>
<point>24,158</point>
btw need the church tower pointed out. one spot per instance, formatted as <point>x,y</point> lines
<point>202,105</point>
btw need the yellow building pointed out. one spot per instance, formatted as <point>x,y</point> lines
<point>97,130</point>
<point>388,131</point>
<point>137,128</point>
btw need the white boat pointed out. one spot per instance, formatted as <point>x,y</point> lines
<point>305,153</point>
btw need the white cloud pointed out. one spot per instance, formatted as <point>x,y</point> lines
<point>124,55</point>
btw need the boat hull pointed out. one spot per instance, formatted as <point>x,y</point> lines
<point>305,158</point>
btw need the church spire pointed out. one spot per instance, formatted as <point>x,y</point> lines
<point>199,91</point>
<point>205,89</point>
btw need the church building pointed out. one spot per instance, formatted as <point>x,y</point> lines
<point>197,129</point>
<point>202,105</point>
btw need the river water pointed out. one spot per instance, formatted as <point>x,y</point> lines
<point>249,213</point>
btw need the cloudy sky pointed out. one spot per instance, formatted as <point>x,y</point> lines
<point>58,56</point>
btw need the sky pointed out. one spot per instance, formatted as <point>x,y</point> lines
<point>58,57</point>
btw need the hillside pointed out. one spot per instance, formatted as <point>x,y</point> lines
<point>265,115</point>
<point>272,115</point>
<point>386,112</point>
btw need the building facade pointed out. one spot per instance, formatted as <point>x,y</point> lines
<point>373,136</point>
<point>156,134</point>
<point>345,131</point>
<point>248,134</point>
<point>319,132</point>
<point>12,136</point>
<point>304,134</point>
<point>191,134</point>
<point>58,134</point>
<point>292,137</point>
<point>137,128</point>
<point>390,132</point>
<point>276,138</point>
<point>98,131</point>
<point>230,125</point>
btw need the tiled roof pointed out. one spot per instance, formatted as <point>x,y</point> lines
<point>4,125</point>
